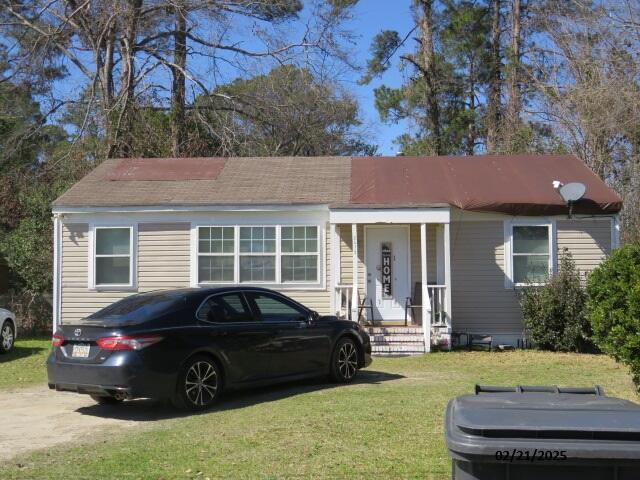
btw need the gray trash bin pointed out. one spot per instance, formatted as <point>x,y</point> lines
<point>526,433</point>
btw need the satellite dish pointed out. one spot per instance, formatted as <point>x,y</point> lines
<point>572,192</point>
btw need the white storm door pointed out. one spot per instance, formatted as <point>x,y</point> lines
<point>387,260</point>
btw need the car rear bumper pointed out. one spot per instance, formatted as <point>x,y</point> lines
<point>92,389</point>
<point>122,372</point>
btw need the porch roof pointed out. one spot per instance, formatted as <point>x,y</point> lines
<point>514,184</point>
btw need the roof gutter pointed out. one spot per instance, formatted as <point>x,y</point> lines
<point>193,208</point>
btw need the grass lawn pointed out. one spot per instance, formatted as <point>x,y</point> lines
<point>25,364</point>
<point>387,425</point>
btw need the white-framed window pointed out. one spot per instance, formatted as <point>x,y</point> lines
<point>113,257</point>
<point>258,254</point>
<point>299,254</point>
<point>530,255</point>
<point>216,253</point>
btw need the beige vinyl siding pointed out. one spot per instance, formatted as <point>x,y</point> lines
<point>163,256</point>
<point>588,240</point>
<point>163,262</point>
<point>480,302</point>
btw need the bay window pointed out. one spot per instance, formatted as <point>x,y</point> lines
<point>258,254</point>
<point>531,256</point>
<point>113,253</point>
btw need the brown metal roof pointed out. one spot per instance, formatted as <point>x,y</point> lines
<point>517,184</point>
<point>513,184</point>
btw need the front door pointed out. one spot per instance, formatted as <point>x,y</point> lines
<point>387,259</point>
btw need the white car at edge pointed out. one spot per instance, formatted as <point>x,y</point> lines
<point>8,330</point>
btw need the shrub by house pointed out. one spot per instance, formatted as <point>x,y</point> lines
<point>614,306</point>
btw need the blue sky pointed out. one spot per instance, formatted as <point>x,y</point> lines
<point>370,17</point>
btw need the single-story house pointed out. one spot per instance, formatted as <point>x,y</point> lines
<point>359,237</point>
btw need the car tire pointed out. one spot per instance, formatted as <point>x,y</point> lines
<point>199,384</point>
<point>344,361</point>
<point>106,399</point>
<point>7,336</point>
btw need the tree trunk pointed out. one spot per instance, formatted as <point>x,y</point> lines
<point>104,70</point>
<point>514,102</point>
<point>429,73</point>
<point>495,81</point>
<point>471,127</point>
<point>122,145</point>
<point>178,87</point>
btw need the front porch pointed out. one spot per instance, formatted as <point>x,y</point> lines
<point>382,268</point>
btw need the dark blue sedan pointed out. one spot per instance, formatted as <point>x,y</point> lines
<point>189,345</point>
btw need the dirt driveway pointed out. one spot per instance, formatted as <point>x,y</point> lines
<point>37,418</point>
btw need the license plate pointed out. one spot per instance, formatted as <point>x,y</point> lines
<point>80,351</point>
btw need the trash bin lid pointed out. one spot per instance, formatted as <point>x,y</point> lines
<point>547,414</point>
<point>583,424</point>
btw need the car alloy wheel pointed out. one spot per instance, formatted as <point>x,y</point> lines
<point>201,383</point>
<point>6,337</point>
<point>345,361</point>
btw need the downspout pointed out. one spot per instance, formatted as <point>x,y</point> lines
<point>57,257</point>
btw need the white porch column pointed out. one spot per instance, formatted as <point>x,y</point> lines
<point>426,301</point>
<point>334,248</point>
<point>447,272</point>
<point>354,259</point>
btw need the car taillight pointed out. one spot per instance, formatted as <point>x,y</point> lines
<point>57,340</point>
<point>136,342</point>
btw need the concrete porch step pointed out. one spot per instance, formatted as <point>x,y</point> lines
<point>398,348</point>
<point>397,354</point>
<point>394,330</point>
<point>397,338</point>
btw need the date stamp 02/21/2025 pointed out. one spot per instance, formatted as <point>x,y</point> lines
<point>534,455</point>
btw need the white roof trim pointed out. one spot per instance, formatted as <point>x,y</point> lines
<point>390,215</point>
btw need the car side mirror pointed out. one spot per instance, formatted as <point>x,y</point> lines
<point>313,316</point>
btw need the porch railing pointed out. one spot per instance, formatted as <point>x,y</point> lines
<point>437,298</point>
<point>343,300</point>
<point>437,302</point>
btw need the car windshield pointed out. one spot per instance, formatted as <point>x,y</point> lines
<point>139,308</point>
